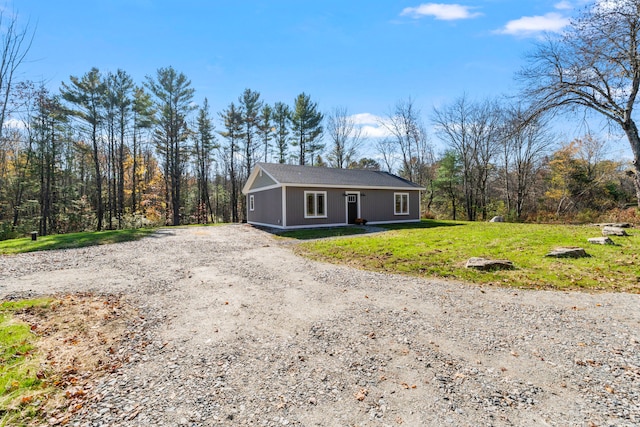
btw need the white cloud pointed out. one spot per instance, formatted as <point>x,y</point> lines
<point>444,12</point>
<point>371,125</point>
<point>365,119</point>
<point>564,5</point>
<point>13,123</point>
<point>532,25</point>
<point>571,4</point>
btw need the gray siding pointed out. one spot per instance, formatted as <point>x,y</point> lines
<point>375,206</point>
<point>336,208</point>
<point>379,205</point>
<point>262,181</point>
<point>268,207</point>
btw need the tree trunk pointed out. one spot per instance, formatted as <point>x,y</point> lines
<point>120,207</point>
<point>631,131</point>
<point>134,181</point>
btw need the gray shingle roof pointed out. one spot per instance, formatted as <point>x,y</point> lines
<point>308,175</point>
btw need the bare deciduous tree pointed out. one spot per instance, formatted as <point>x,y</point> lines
<point>474,131</point>
<point>526,140</point>
<point>410,139</point>
<point>345,136</point>
<point>15,43</point>
<point>595,65</point>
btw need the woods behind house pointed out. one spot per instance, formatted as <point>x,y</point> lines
<point>106,152</point>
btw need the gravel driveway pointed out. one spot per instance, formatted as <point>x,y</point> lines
<point>240,331</point>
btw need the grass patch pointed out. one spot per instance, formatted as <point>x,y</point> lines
<point>441,249</point>
<point>53,349</point>
<point>72,240</point>
<point>22,390</point>
<point>321,233</point>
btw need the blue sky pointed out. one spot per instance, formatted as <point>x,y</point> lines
<point>363,55</point>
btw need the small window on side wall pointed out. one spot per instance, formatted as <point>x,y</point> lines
<point>252,203</point>
<point>401,206</point>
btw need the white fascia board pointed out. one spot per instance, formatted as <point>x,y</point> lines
<point>257,190</point>
<point>354,187</point>
<point>247,187</point>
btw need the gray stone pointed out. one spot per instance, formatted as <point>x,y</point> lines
<point>613,231</point>
<point>484,264</point>
<point>568,253</point>
<point>615,224</point>
<point>601,241</point>
<point>497,219</point>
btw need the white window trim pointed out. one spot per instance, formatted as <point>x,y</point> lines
<point>315,193</point>
<point>252,203</point>
<point>395,196</point>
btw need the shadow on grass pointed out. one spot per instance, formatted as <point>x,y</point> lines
<point>322,233</point>
<point>319,233</point>
<point>425,223</point>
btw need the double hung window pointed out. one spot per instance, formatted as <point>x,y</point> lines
<point>315,204</point>
<point>401,206</point>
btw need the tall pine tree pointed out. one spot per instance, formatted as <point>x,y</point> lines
<point>173,95</point>
<point>306,123</point>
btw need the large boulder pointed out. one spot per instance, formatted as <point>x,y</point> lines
<point>484,264</point>
<point>601,241</point>
<point>572,252</point>
<point>497,219</point>
<point>613,231</point>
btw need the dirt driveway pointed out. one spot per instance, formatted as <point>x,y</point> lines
<point>239,330</point>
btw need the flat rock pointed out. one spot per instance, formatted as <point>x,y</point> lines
<point>573,252</point>
<point>613,231</point>
<point>497,219</point>
<point>601,241</point>
<point>484,264</point>
<point>615,224</point>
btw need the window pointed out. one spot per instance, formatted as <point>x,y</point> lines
<point>352,198</point>
<point>401,204</point>
<point>315,204</point>
<point>252,203</point>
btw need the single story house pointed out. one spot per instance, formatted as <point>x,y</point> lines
<point>291,196</point>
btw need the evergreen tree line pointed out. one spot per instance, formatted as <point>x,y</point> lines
<point>107,153</point>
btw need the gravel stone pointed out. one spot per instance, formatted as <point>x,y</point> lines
<point>238,330</point>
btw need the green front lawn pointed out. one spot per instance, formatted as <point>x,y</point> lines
<point>441,249</point>
<point>72,240</point>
